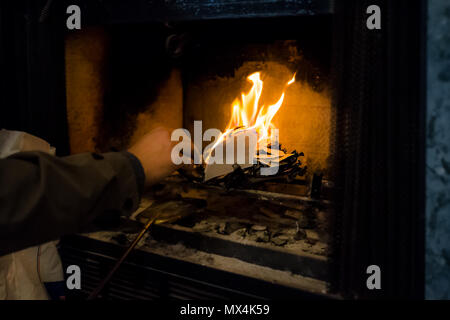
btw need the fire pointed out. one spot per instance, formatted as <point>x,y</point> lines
<point>246,114</point>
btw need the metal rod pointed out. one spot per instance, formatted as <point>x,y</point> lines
<point>100,287</point>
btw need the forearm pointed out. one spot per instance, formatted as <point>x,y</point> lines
<point>43,197</point>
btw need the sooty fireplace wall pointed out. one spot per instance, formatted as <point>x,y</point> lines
<point>357,109</point>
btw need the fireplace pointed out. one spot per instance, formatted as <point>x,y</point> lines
<point>230,75</point>
<point>349,111</point>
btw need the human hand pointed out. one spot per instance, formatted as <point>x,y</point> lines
<point>153,151</point>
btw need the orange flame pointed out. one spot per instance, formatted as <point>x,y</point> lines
<point>247,115</point>
<point>245,111</point>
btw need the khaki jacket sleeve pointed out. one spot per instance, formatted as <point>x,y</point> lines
<point>43,197</point>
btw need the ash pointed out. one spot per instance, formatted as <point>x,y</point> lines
<point>182,252</point>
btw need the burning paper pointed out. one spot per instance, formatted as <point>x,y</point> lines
<point>249,136</point>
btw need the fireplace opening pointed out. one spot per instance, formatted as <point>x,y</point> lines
<point>238,75</point>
